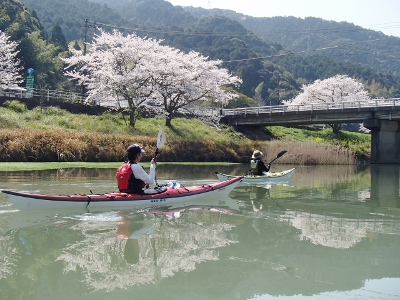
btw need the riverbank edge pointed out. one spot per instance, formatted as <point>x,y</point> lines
<point>39,166</point>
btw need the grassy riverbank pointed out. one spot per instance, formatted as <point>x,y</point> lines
<point>54,135</point>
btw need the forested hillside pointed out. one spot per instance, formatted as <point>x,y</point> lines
<point>152,13</point>
<point>35,51</point>
<point>272,69</point>
<point>71,15</point>
<point>309,36</point>
<point>348,49</point>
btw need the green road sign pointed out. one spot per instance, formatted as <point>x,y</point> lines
<point>30,82</point>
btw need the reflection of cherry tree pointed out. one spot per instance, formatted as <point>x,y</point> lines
<point>9,256</point>
<point>364,195</point>
<point>177,246</point>
<point>340,233</point>
<point>189,244</point>
<point>100,256</point>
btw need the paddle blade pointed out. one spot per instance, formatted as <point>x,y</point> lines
<point>281,153</point>
<point>161,138</point>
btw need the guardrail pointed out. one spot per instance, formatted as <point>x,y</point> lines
<point>44,94</point>
<point>393,102</point>
<point>51,95</point>
<point>55,96</point>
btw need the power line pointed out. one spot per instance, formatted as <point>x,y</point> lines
<point>301,52</point>
<point>97,24</point>
<point>342,29</point>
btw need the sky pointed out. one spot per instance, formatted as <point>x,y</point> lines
<point>378,15</point>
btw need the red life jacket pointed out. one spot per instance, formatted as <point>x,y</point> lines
<point>123,174</point>
<point>127,183</point>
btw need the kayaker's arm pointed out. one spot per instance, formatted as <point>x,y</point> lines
<point>141,174</point>
<point>262,167</point>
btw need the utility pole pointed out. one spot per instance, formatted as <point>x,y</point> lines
<point>278,87</point>
<point>84,45</point>
<point>84,41</point>
<point>278,75</point>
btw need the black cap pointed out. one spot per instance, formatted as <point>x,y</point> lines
<point>134,149</point>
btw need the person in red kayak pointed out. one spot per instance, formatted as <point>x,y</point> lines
<point>131,176</point>
<point>257,165</point>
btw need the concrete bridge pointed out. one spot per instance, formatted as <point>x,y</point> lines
<point>381,116</point>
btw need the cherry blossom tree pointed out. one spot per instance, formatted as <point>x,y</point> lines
<point>339,88</point>
<point>9,64</point>
<point>115,67</point>
<point>142,71</point>
<point>189,79</point>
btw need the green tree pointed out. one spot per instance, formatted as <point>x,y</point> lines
<point>44,58</point>
<point>58,38</point>
<point>241,101</point>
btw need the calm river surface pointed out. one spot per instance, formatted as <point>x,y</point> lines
<point>332,232</point>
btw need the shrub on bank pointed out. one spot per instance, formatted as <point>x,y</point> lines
<point>53,134</point>
<point>24,145</point>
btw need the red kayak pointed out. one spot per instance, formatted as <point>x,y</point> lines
<point>164,196</point>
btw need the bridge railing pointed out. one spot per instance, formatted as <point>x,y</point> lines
<point>54,96</point>
<point>65,96</point>
<point>312,107</point>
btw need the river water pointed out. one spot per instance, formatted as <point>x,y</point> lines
<point>331,232</point>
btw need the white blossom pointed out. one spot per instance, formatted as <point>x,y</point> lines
<point>9,63</point>
<point>190,79</point>
<point>339,88</point>
<point>142,71</point>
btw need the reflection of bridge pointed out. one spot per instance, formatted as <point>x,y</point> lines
<point>381,116</point>
<point>385,185</point>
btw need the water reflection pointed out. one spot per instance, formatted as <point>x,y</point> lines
<point>146,247</point>
<point>331,230</point>
<point>385,185</point>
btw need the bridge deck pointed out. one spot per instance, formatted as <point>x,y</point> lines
<point>324,113</point>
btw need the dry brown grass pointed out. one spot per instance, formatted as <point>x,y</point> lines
<point>302,153</point>
<point>23,145</point>
<point>57,145</point>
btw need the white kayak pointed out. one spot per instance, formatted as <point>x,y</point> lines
<point>267,177</point>
<point>166,196</point>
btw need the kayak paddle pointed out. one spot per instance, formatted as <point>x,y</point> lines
<point>161,138</point>
<point>279,155</point>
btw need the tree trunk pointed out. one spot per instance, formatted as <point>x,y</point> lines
<point>336,128</point>
<point>132,118</point>
<point>168,122</point>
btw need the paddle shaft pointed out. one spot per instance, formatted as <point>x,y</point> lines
<point>160,143</point>
<point>155,161</point>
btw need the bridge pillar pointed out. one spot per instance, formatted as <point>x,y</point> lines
<point>385,141</point>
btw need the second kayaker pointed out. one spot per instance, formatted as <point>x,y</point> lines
<point>258,167</point>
